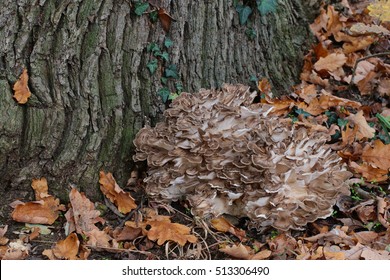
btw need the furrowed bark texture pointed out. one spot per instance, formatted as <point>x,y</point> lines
<point>91,88</point>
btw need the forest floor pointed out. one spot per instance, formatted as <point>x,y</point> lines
<point>345,86</point>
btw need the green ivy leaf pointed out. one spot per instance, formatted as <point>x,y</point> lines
<point>140,8</point>
<point>173,96</point>
<point>341,123</point>
<point>251,33</point>
<point>302,112</point>
<point>164,80</point>
<point>266,6</point>
<point>171,72</point>
<point>152,66</point>
<point>179,87</point>
<point>243,13</point>
<point>168,43</point>
<point>163,55</point>
<point>253,78</point>
<point>164,93</point>
<point>153,16</point>
<point>154,48</point>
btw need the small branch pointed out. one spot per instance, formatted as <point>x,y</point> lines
<point>364,58</point>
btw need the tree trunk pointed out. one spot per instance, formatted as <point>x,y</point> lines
<point>91,87</point>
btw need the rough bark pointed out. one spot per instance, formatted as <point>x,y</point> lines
<point>91,89</point>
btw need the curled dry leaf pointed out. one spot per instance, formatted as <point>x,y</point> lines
<point>66,249</point>
<point>43,211</point>
<point>16,250</point>
<point>3,240</point>
<point>165,19</point>
<point>115,194</point>
<point>243,252</point>
<point>377,155</point>
<point>223,225</point>
<point>21,91</point>
<point>363,129</point>
<point>384,211</point>
<point>369,172</point>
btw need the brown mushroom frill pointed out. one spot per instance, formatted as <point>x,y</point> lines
<point>225,155</point>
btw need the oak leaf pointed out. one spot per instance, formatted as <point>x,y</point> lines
<point>330,62</point>
<point>363,129</point>
<point>369,172</point>
<point>84,212</point>
<point>245,253</point>
<point>21,91</point>
<point>66,249</point>
<point>115,194</point>
<point>162,230</point>
<point>378,155</point>
<point>223,225</point>
<point>44,210</point>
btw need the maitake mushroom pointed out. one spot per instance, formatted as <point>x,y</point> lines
<point>225,155</point>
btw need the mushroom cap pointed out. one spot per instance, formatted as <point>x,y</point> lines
<point>226,155</point>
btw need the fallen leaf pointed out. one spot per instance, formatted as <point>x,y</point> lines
<point>16,250</point>
<point>162,230</point>
<point>365,237</point>
<point>115,194</point>
<point>367,29</point>
<point>44,211</point>
<point>369,172</point>
<point>66,249</point>
<point>377,155</point>
<point>85,217</point>
<point>223,225</point>
<point>21,91</point>
<point>330,62</point>
<point>243,252</point>
<point>165,19</point>
<point>363,129</point>
<point>370,254</point>
<point>3,240</point>
<point>333,252</point>
<point>126,233</point>
<point>264,86</point>
<point>84,212</point>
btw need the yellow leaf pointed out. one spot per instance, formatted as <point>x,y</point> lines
<point>380,9</point>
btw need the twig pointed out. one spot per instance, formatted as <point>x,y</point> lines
<point>364,58</point>
<point>131,213</point>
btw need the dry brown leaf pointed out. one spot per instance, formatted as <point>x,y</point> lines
<point>384,211</point>
<point>3,240</point>
<point>366,237</point>
<point>115,194</point>
<point>127,233</point>
<point>264,86</point>
<point>367,29</point>
<point>40,188</point>
<point>363,129</point>
<point>21,91</point>
<point>85,217</point>
<point>384,87</point>
<point>45,211</point>
<point>34,234</point>
<point>369,172</point>
<point>333,252</point>
<point>84,212</point>
<point>378,155</point>
<point>357,43</point>
<point>331,62</point>
<point>66,249</point>
<point>16,250</point>
<point>223,225</point>
<point>243,252</point>
<point>370,254</point>
<point>165,19</point>
<point>162,230</point>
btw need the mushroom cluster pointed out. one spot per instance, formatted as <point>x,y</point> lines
<point>224,154</point>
